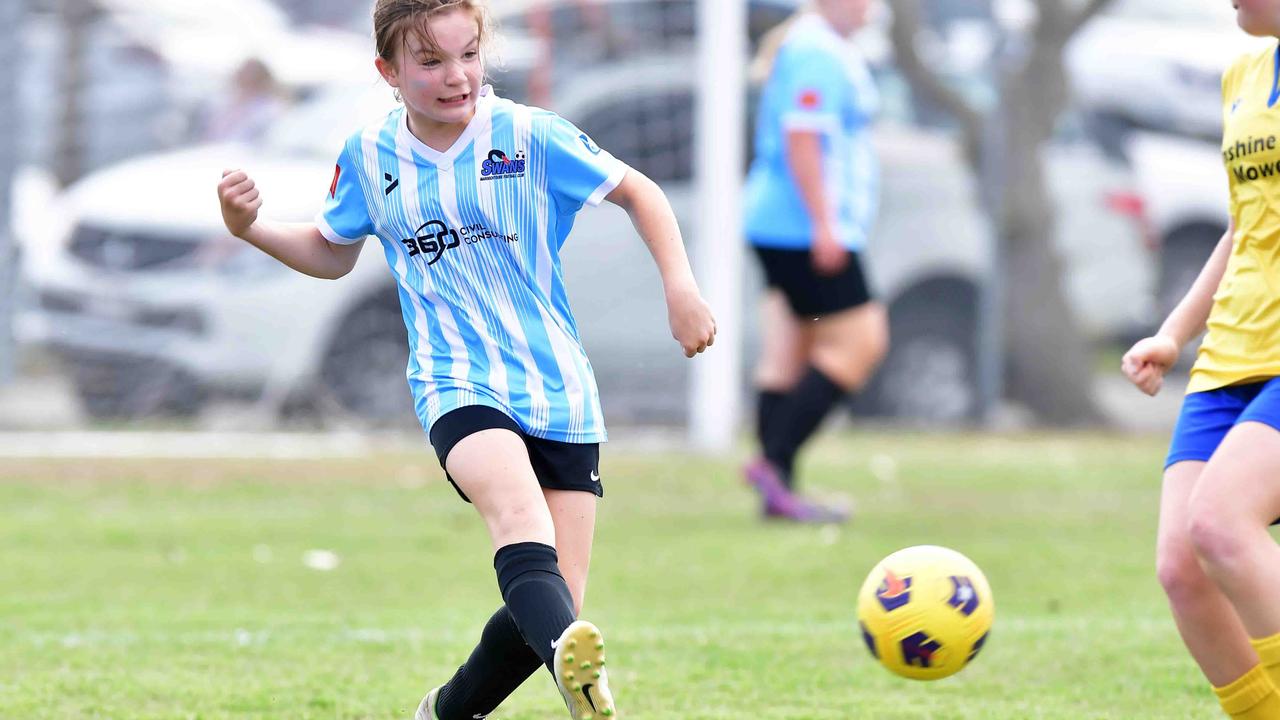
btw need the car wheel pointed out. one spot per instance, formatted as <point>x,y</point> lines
<point>929,375</point>
<point>362,377</point>
<point>133,389</point>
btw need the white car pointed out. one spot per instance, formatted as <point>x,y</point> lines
<point>1156,64</point>
<point>153,304</point>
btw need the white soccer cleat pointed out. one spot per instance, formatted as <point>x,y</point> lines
<point>580,675</point>
<point>427,708</point>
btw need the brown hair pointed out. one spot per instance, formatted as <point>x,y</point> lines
<point>393,20</point>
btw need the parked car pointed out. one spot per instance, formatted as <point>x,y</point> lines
<point>152,304</point>
<point>1155,65</point>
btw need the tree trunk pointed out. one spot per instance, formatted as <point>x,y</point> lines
<point>69,151</point>
<point>1049,365</point>
<point>1049,361</point>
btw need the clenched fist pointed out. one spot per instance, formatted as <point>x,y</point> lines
<point>691,322</point>
<point>240,201</point>
<point>1147,362</point>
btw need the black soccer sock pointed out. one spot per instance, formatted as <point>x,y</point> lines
<point>768,402</point>
<point>800,414</point>
<point>536,593</point>
<point>497,666</point>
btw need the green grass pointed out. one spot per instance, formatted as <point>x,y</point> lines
<point>166,589</point>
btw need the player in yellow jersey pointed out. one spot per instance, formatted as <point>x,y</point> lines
<point>1214,556</point>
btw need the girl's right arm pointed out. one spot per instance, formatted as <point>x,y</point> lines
<point>1150,358</point>
<point>804,160</point>
<point>298,245</point>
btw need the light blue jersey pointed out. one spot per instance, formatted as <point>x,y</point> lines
<point>473,237</point>
<point>819,83</point>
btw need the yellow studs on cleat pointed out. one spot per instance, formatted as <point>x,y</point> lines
<point>572,644</point>
<point>599,646</point>
<point>608,712</point>
<point>596,675</point>
<point>586,665</point>
<point>568,659</point>
<point>575,687</point>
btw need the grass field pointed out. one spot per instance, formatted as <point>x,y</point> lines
<point>177,589</point>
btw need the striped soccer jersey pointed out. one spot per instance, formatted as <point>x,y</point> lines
<point>819,83</point>
<point>473,235</point>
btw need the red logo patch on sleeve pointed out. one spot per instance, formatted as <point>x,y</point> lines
<point>810,99</point>
<point>333,186</point>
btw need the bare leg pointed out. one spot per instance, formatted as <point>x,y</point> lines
<point>1208,623</point>
<point>574,515</point>
<point>1236,499</point>
<point>849,345</point>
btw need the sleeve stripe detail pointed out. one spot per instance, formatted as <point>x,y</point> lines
<point>332,235</point>
<point>611,182</point>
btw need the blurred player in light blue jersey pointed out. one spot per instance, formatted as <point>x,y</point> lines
<point>810,203</point>
<point>472,197</point>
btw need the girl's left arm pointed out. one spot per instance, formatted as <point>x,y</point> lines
<point>689,315</point>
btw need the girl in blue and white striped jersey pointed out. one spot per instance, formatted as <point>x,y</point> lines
<point>810,203</point>
<point>472,197</point>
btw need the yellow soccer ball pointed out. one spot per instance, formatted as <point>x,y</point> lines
<point>925,612</point>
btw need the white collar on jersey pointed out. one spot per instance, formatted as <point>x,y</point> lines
<point>444,160</point>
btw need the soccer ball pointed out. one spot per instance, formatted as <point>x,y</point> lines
<point>925,612</point>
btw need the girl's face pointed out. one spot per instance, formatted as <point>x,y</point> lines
<point>1258,17</point>
<point>846,16</point>
<point>439,85</point>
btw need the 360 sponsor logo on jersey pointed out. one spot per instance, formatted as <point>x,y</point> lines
<point>434,237</point>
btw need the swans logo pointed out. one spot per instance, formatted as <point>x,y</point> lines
<point>498,165</point>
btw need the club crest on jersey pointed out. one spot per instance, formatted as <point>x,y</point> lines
<point>499,165</point>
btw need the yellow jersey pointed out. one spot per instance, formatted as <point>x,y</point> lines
<point>1243,340</point>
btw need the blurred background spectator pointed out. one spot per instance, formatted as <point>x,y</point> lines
<point>252,102</point>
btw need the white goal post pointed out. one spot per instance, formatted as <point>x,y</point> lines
<point>715,387</point>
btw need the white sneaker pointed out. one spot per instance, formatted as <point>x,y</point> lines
<point>580,675</point>
<point>427,708</point>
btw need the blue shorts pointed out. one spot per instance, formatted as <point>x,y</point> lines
<point>1208,416</point>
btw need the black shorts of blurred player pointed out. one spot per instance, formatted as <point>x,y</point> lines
<point>810,294</point>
